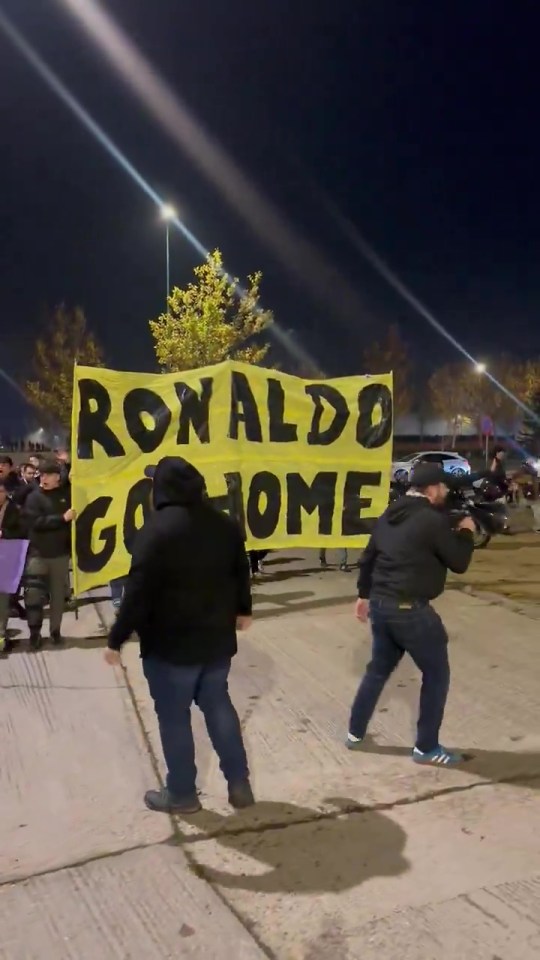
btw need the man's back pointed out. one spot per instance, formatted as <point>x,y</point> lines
<point>189,579</point>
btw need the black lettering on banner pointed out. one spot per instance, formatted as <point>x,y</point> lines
<point>372,435</point>
<point>319,392</point>
<point>352,522</point>
<point>244,409</point>
<point>262,519</point>
<point>194,410</point>
<point>280,432</point>
<point>89,560</point>
<point>139,401</point>
<point>320,495</point>
<point>139,496</point>
<point>93,427</point>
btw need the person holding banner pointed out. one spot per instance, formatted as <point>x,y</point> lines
<point>48,516</point>
<point>187,593</point>
<point>10,529</point>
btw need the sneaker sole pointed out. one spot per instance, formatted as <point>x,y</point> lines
<point>174,811</point>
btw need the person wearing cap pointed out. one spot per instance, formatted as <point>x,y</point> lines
<point>403,569</point>
<point>48,517</point>
<point>187,594</point>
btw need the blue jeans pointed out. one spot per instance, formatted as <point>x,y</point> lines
<point>173,690</point>
<point>418,631</point>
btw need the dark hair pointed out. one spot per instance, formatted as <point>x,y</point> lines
<point>50,467</point>
<point>27,466</point>
<point>5,459</point>
<point>497,450</point>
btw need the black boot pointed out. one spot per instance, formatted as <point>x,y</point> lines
<point>241,795</point>
<point>56,638</point>
<point>36,641</point>
<point>164,802</point>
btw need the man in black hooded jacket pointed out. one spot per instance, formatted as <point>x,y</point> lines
<point>187,594</point>
<point>403,568</point>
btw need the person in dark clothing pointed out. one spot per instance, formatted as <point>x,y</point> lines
<point>8,476</point>
<point>403,568</point>
<point>28,481</point>
<point>187,593</point>
<point>10,529</point>
<point>48,516</point>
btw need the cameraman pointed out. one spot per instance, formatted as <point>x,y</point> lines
<point>403,568</point>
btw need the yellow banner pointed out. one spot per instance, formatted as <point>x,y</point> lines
<point>300,463</point>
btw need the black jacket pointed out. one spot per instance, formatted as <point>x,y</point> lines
<point>410,552</point>
<point>12,526</point>
<point>43,516</point>
<point>23,491</point>
<point>189,578</point>
<point>13,484</point>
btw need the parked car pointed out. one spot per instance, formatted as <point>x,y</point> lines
<point>450,461</point>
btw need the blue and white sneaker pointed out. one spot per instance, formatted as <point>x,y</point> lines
<point>439,757</point>
<point>354,743</point>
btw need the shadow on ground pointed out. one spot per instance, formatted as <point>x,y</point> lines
<point>282,605</point>
<point>69,643</point>
<point>318,854</point>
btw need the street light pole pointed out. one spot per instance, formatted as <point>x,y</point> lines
<point>168,213</point>
<point>168,267</point>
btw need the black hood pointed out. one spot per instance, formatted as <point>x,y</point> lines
<point>177,482</point>
<point>405,507</point>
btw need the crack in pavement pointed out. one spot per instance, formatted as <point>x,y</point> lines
<point>75,864</point>
<point>182,840</point>
<point>356,808</point>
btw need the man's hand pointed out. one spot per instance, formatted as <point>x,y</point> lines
<point>70,515</point>
<point>361,611</point>
<point>243,623</point>
<point>467,524</point>
<point>112,657</point>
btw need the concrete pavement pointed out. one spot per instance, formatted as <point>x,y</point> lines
<point>346,855</point>
<point>85,870</point>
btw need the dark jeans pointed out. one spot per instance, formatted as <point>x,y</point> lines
<point>173,690</point>
<point>397,630</point>
<point>117,590</point>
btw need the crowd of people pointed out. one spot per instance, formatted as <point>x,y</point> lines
<point>35,506</point>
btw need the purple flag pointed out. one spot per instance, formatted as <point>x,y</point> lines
<point>12,560</point>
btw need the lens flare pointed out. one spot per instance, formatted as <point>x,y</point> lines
<point>384,270</point>
<point>70,101</point>
<point>301,258</point>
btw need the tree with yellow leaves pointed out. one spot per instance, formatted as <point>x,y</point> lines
<point>65,342</point>
<point>211,320</point>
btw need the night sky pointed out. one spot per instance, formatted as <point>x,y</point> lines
<point>418,120</point>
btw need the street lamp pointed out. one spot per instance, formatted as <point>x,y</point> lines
<point>480,368</point>
<point>168,213</point>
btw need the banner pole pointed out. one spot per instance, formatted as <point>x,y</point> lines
<point>73,454</point>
